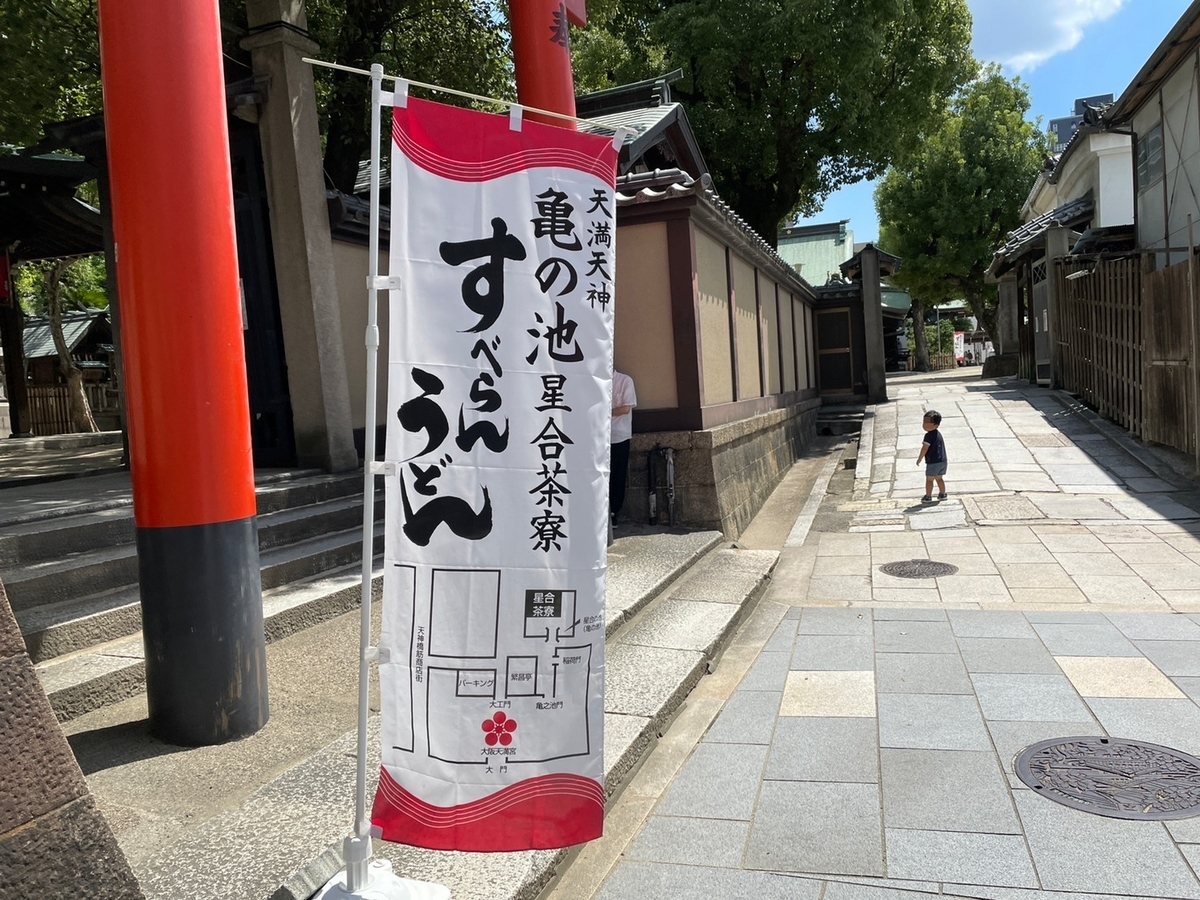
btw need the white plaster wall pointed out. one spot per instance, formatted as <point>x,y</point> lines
<point>1151,224</point>
<point>1181,151</point>
<point>1114,177</point>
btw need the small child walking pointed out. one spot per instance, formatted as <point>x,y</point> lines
<point>933,452</point>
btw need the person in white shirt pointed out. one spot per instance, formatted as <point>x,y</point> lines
<point>623,401</point>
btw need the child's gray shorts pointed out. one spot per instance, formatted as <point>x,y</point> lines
<point>932,469</point>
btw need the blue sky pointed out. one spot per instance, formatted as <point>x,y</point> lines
<point>1062,49</point>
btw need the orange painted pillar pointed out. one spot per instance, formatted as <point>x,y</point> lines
<point>184,368</point>
<point>542,55</point>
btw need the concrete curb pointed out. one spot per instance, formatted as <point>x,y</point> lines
<point>808,514</point>
<point>1161,465</point>
<point>866,453</point>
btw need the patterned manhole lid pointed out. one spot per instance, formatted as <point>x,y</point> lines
<point>918,568</point>
<point>1112,777</point>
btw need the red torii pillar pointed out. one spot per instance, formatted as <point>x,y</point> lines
<point>185,370</point>
<point>542,55</point>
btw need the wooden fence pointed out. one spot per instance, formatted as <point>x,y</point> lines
<point>1170,404</point>
<point>50,411</point>
<point>1098,337</point>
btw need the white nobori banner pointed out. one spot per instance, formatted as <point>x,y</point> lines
<point>499,383</point>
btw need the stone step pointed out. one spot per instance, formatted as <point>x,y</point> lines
<point>80,682</point>
<point>671,618</point>
<point>82,575</point>
<point>59,530</point>
<point>67,626</point>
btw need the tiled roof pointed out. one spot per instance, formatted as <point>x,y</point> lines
<point>39,342</point>
<point>1019,240</point>
<point>670,184</point>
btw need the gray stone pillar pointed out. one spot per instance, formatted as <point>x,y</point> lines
<point>1006,340</point>
<point>1058,245</point>
<point>303,250</point>
<point>873,326</point>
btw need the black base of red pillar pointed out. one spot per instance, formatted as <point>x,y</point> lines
<point>202,624</point>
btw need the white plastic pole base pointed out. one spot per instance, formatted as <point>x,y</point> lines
<point>382,884</point>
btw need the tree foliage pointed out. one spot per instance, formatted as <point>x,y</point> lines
<point>950,205</point>
<point>49,65</point>
<point>461,44</point>
<point>792,99</point>
<point>80,282</point>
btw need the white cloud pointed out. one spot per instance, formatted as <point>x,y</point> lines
<point>1023,34</point>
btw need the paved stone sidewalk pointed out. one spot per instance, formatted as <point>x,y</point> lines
<point>865,741</point>
<point>1046,508</point>
<point>877,745</point>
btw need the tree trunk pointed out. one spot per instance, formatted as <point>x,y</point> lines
<point>81,410</point>
<point>920,344</point>
<point>985,313</point>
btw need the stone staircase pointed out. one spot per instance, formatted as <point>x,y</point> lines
<point>71,575</point>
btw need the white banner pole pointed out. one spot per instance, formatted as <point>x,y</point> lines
<point>360,875</point>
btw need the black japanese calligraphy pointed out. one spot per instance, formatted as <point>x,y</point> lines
<point>548,273</point>
<point>423,414</point>
<point>560,337</point>
<point>554,220</point>
<point>499,247</point>
<point>455,513</point>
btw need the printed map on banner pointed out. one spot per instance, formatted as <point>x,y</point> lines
<point>499,385</point>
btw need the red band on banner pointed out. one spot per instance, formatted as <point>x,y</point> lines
<point>540,813</point>
<point>464,145</point>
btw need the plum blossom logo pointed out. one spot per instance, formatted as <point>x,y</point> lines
<point>498,730</point>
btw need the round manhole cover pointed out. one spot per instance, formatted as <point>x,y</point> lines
<point>1112,777</point>
<point>918,568</point>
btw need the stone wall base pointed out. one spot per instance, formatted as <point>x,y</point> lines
<point>53,840</point>
<point>1000,365</point>
<point>723,475</point>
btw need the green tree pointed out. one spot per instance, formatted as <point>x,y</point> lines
<point>461,44</point>
<point>50,67</point>
<point>791,99</point>
<point>79,280</point>
<point>947,208</point>
<point>51,286</point>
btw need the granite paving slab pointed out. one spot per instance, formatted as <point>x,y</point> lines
<point>748,717</point>
<point>1125,676</point>
<point>1154,627</point>
<point>974,623</point>
<point>914,637</point>
<point>803,826</point>
<point>1172,723</point>
<point>931,722</point>
<point>727,576</point>
<point>1077,851</point>
<point>946,790</point>
<point>961,857</point>
<point>735,768</point>
<point>767,673</point>
<point>830,620</point>
<point>823,693</point>
<point>921,673</point>
<point>1007,656</point>
<point>690,842</point>
<point>1028,698</point>
<point>636,880</point>
<point>1097,637</point>
<point>835,652</point>
<point>1173,657</point>
<point>834,749</point>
